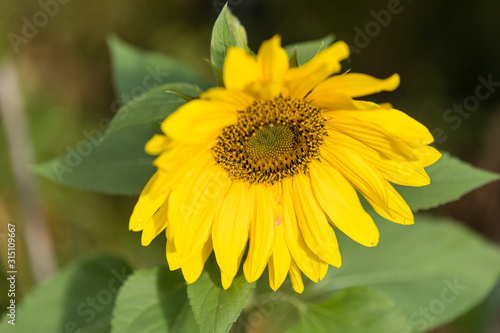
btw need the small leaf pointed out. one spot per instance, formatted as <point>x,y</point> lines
<point>153,300</point>
<point>136,71</point>
<point>216,309</point>
<point>227,32</point>
<point>450,179</point>
<point>307,50</point>
<point>78,299</point>
<point>154,105</point>
<point>116,165</point>
<point>353,310</point>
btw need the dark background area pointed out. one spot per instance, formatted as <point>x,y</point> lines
<point>442,50</point>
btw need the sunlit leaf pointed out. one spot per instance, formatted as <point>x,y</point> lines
<point>352,310</point>
<point>216,309</point>
<point>450,179</point>
<point>79,299</point>
<point>153,300</point>
<point>116,165</point>
<point>434,270</point>
<point>136,71</point>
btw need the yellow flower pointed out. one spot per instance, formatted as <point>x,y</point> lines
<point>272,161</point>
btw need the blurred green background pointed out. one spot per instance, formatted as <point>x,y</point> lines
<point>443,50</point>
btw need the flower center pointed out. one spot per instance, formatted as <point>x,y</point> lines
<point>272,140</point>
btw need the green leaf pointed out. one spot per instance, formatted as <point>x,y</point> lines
<point>227,32</point>
<point>434,270</point>
<point>450,179</point>
<point>353,310</point>
<point>307,50</point>
<point>136,71</point>
<point>153,300</point>
<point>216,309</point>
<point>78,299</point>
<point>154,105</point>
<point>116,165</point>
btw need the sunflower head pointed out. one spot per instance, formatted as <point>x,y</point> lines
<point>264,169</point>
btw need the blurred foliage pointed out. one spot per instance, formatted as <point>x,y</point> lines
<point>439,49</point>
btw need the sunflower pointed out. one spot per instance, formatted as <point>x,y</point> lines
<point>271,163</point>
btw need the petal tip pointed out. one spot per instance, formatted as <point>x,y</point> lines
<point>393,82</point>
<point>343,49</point>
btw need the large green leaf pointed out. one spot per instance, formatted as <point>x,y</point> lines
<point>116,165</point>
<point>307,50</point>
<point>79,299</point>
<point>153,300</point>
<point>136,71</point>
<point>227,32</point>
<point>434,270</point>
<point>450,179</point>
<point>352,310</point>
<point>216,309</point>
<point>156,104</point>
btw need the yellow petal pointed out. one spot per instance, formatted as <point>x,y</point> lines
<point>240,100</point>
<point>296,278</point>
<point>373,136</point>
<point>356,85</point>
<point>307,261</point>
<point>179,160</point>
<point>226,280</point>
<point>152,197</point>
<point>362,176</point>
<point>273,60</point>
<point>157,144</point>
<point>174,260</point>
<point>279,262</point>
<point>317,232</point>
<point>399,211</point>
<point>329,101</point>
<point>261,232</point>
<point>156,224</point>
<point>192,269</point>
<point>199,121</point>
<point>394,122</point>
<point>181,178</point>
<point>426,155</point>
<point>375,129</point>
<point>409,173</point>
<point>240,69</point>
<point>339,200</point>
<point>193,207</point>
<point>301,80</point>
<point>369,182</point>
<point>230,229</point>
